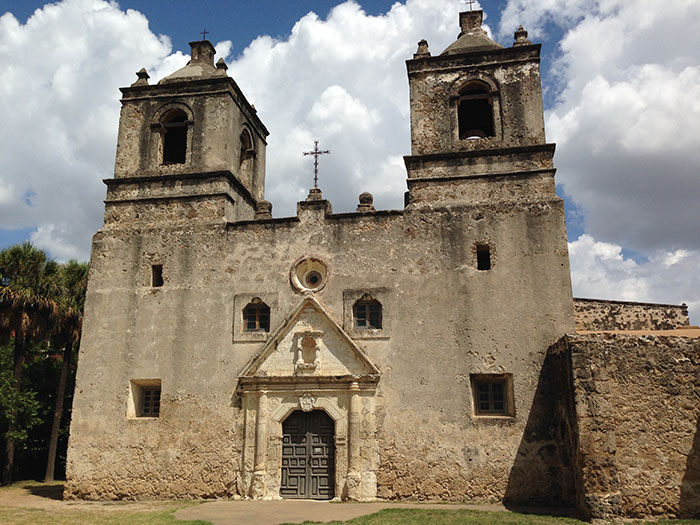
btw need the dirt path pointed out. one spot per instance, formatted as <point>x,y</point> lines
<point>49,497</point>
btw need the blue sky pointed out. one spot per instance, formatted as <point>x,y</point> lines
<point>621,82</point>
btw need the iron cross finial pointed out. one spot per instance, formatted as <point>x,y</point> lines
<point>204,34</point>
<point>471,4</point>
<point>316,153</point>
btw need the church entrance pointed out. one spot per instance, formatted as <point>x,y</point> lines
<point>308,456</point>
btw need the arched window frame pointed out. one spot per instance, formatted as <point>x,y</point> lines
<point>159,127</point>
<point>490,91</point>
<point>247,157</point>
<point>256,316</point>
<point>367,313</point>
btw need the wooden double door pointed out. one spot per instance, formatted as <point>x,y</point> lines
<point>308,456</point>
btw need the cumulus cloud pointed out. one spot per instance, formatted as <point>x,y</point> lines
<point>59,101</point>
<point>601,270</point>
<point>627,117</point>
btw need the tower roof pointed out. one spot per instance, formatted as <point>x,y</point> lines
<point>201,65</point>
<point>472,38</point>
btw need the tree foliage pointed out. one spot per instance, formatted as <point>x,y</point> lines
<point>41,304</point>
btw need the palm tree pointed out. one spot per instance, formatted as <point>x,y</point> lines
<point>27,309</point>
<point>66,333</point>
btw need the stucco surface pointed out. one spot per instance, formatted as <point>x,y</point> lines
<point>405,421</point>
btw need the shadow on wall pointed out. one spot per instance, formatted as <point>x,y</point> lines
<point>542,472</point>
<point>690,486</point>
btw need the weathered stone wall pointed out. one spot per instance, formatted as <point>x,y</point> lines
<point>637,410</point>
<point>596,314</point>
<point>448,320</point>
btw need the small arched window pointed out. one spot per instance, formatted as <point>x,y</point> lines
<point>475,111</point>
<point>247,156</point>
<point>256,316</point>
<point>174,130</point>
<point>247,149</point>
<point>368,314</point>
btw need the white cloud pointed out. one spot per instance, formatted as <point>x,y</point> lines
<point>600,270</point>
<point>59,100</point>
<point>627,119</point>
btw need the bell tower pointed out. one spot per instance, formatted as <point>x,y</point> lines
<point>190,148</point>
<point>477,117</point>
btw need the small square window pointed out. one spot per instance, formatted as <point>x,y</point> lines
<point>150,405</point>
<point>256,316</point>
<point>144,400</point>
<point>493,394</point>
<point>368,314</point>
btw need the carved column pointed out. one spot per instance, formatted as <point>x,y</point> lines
<point>258,488</point>
<point>354,478</point>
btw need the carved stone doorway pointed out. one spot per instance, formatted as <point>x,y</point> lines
<point>308,456</point>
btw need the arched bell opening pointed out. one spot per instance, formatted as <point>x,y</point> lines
<point>475,111</point>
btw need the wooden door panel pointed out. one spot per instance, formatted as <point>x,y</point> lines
<point>308,456</point>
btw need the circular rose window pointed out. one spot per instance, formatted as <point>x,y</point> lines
<point>309,274</point>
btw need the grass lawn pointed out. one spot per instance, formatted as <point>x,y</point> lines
<point>450,517</point>
<point>462,517</point>
<point>24,516</point>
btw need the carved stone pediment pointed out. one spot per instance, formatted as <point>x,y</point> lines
<point>309,343</point>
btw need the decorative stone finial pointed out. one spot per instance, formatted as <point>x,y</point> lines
<point>423,50</point>
<point>263,210</point>
<point>366,204</point>
<point>521,37</point>
<point>221,67</point>
<point>202,51</point>
<point>142,79</point>
<point>315,194</point>
<point>470,21</point>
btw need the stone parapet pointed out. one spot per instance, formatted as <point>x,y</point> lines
<point>598,314</point>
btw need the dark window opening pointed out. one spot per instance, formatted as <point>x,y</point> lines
<point>175,138</point>
<point>475,112</point>
<point>313,279</point>
<point>157,275</point>
<point>368,314</point>
<point>483,257</point>
<point>492,394</point>
<point>256,316</point>
<point>150,401</point>
<point>247,150</point>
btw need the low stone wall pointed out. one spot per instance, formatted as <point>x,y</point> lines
<point>636,434</point>
<point>598,314</point>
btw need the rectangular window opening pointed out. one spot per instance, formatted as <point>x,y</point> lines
<point>144,400</point>
<point>157,275</point>
<point>483,257</point>
<point>493,394</point>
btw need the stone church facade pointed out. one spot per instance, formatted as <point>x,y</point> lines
<point>400,354</point>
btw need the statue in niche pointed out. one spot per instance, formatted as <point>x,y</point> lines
<point>308,354</point>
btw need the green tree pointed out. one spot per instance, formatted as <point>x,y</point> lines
<point>28,309</point>
<point>66,335</point>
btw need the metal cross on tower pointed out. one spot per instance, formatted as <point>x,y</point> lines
<point>316,153</point>
<point>204,34</point>
<point>471,4</point>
